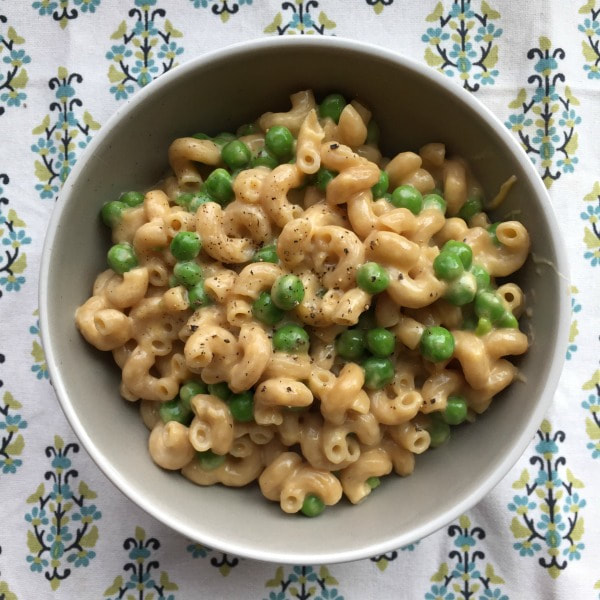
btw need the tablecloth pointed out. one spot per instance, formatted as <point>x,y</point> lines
<point>65,67</point>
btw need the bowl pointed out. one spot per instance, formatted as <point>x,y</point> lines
<point>216,92</point>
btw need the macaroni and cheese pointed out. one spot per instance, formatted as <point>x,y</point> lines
<point>290,306</point>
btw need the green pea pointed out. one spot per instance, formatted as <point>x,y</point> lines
<point>492,231</point>
<point>173,281</point>
<point>220,390</point>
<point>175,410</point>
<point>462,290</point>
<point>324,177</point>
<point>190,389</point>
<point>373,482</point>
<point>219,186</point>
<point>223,138</point>
<point>184,199</point>
<point>460,250</point>
<point>312,506</point>
<point>198,199</point>
<point>132,198</point>
<point>482,277</point>
<point>489,305</point>
<point>264,158</point>
<point>435,201</point>
<point>247,129</point>
<point>469,323</point>
<point>350,344</point>
<point>209,460</point>
<point>483,326</point>
<point>332,107</point>
<point>201,136</point>
<point>198,296</point>
<point>186,245</point>
<point>470,208</point>
<point>437,344</point>
<point>372,132</point>
<point>381,342</point>
<point>121,258</point>
<point>381,187</point>
<point>291,338</point>
<point>264,309</point>
<point>372,278</point>
<point>378,372</point>
<point>266,254</point>
<point>508,321</point>
<point>447,266</point>
<point>439,432</point>
<point>112,212</point>
<point>287,292</point>
<point>280,142</point>
<point>408,196</point>
<point>188,273</point>
<point>456,410</point>
<point>242,407</point>
<point>236,154</point>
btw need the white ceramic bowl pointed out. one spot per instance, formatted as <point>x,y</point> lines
<point>413,105</point>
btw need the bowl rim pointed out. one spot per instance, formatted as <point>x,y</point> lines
<point>556,360</point>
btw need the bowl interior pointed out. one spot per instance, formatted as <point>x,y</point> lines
<point>412,106</point>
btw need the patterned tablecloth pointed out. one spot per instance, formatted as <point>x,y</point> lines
<point>65,66</point>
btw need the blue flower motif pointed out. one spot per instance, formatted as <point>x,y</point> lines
<point>16,239</point>
<point>494,594</point>
<point>116,53</point>
<point>573,551</point>
<point>309,574</point>
<point>17,58</point>
<point>12,283</point>
<point>546,446</point>
<point>61,462</point>
<point>144,29</point>
<point>10,465</point>
<point>64,91</point>
<point>122,91</point>
<point>527,548</point>
<point>13,98</point>
<point>517,122</point>
<point>37,514</point>
<point>85,512</point>
<point>197,550</point>
<point>488,32</point>
<point>144,71</point>
<point>331,594</point>
<point>595,448</point>
<point>139,552</point>
<point>87,6</point>
<point>143,3</point>
<point>464,540</point>
<point>553,480</point>
<point>41,371</point>
<point>568,164</point>
<point>571,349</point>
<point>37,563</point>
<point>439,592</point>
<point>13,421</point>
<point>593,71</point>
<point>306,21</point>
<point>455,11</point>
<point>471,572</point>
<point>551,135</point>
<point>46,190</point>
<point>541,94</point>
<point>81,559</point>
<point>64,534</point>
<point>65,120</point>
<point>590,27</point>
<point>170,51</point>
<point>546,64</point>
<point>487,77</point>
<point>276,596</point>
<point>434,35</point>
<point>457,51</point>
<point>545,521</point>
<point>592,400</point>
<point>575,306</point>
<point>571,117</point>
<point>574,503</point>
<point>44,146</point>
<point>44,8</point>
<point>521,502</point>
<point>593,257</point>
<point>592,213</point>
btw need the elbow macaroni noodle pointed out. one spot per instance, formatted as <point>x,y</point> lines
<point>322,422</point>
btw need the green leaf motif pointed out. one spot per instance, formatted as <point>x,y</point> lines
<point>489,62</point>
<point>522,481</point>
<point>14,219</point>
<point>578,530</point>
<point>440,574</point>
<point>35,497</point>
<point>10,401</point>
<point>545,43</point>
<point>85,491</point>
<point>140,534</point>
<point>41,128</point>
<point>325,21</point>
<point>464,522</point>
<point>587,7</point>
<point>15,448</point>
<point>491,575</point>
<point>115,587</point>
<point>59,444</point>
<point>432,59</point>
<point>89,121</point>
<point>166,583</point>
<point>90,538</point>
<point>20,80</point>
<point>594,195</point>
<point>14,37</point>
<point>588,52</point>
<point>592,429</point>
<point>593,382</point>
<point>170,29</point>
<point>518,529</point>
<point>573,332</point>
<point>33,543</point>
<point>326,576</point>
<point>519,100</point>
<point>438,11</point>
<point>5,592</point>
<point>120,31</point>
<point>487,10</point>
<point>20,264</point>
<point>41,171</point>
<point>590,240</point>
<point>276,581</point>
